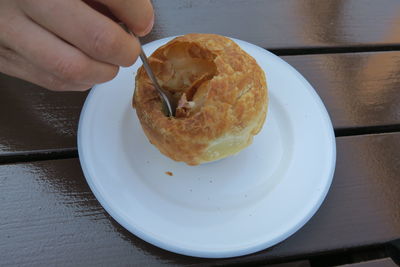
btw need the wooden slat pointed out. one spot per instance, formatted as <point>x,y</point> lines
<point>50,217</point>
<point>33,118</point>
<point>284,23</point>
<point>359,90</point>
<point>303,263</point>
<point>386,262</point>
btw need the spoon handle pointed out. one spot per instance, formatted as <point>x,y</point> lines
<point>153,78</point>
<point>166,101</point>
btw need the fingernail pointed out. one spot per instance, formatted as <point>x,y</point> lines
<point>149,27</point>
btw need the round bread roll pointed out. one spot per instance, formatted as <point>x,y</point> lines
<point>221,94</point>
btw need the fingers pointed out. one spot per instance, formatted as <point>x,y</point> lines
<point>85,28</point>
<point>68,45</point>
<point>15,65</point>
<point>138,15</point>
<point>101,8</point>
<point>52,55</point>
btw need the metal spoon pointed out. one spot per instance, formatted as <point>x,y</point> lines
<point>169,106</point>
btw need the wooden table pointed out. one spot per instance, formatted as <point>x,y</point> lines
<point>349,50</point>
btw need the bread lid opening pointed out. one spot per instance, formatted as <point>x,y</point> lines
<point>185,70</point>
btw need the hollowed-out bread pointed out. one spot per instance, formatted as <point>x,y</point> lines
<point>222,95</point>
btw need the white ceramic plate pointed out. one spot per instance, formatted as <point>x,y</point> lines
<point>232,207</point>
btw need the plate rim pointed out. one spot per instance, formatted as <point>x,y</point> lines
<point>147,237</point>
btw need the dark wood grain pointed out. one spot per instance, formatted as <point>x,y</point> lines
<point>284,23</point>
<point>386,262</point>
<point>359,90</point>
<point>50,217</point>
<point>33,118</point>
<point>304,263</point>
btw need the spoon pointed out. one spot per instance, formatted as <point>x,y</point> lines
<point>168,103</point>
<point>169,106</point>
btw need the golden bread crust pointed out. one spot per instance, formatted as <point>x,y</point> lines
<point>227,95</point>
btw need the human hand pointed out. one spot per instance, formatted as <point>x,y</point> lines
<point>70,45</point>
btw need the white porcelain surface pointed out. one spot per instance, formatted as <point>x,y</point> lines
<point>232,207</point>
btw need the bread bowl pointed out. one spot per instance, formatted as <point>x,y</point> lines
<point>221,93</point>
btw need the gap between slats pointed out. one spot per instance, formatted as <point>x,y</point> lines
<point>66,153</point>
<point>298,51</point>
<point>341,132</point>
<point>38,155</point>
